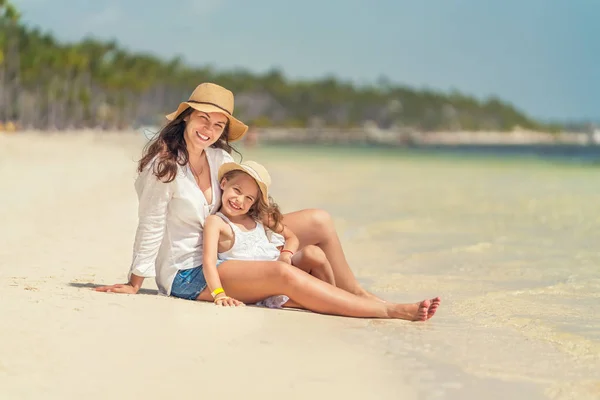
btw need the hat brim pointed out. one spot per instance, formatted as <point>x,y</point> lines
<point>232,166</point>
<point>237,129</point>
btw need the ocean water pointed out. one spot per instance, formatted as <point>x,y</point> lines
<point>511,242</point>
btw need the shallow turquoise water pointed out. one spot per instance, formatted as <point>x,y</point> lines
<point>510,243</point>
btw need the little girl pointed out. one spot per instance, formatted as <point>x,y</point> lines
<point>242,228</point>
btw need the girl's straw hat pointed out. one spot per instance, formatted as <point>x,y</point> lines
<point>255,170</point>
<point>208,97</point>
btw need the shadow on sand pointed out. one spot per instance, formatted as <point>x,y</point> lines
<point>95,285</point>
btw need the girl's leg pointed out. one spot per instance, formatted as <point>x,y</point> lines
<point>316,227</point>
<point>252,281</point>
<point>312,259</point>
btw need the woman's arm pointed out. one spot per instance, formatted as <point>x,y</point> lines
<point>154,196</point>
<point>213,226</point>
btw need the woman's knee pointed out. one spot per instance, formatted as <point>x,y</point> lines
<point>321,218</point>
<point>321,224</point>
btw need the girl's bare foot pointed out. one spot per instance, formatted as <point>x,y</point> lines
<point>411,312</point>
<point>435,303</point>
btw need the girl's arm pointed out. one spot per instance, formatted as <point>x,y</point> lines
<point>291,240</point>
<point>213,226</point>
<point>290,247</point>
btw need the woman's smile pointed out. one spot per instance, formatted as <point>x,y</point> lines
<point>202,137</point>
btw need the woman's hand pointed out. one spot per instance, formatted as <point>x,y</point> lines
<point>227,301</point>
<point>127,288</point>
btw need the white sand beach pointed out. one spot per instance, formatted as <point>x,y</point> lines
<point>512,248</point>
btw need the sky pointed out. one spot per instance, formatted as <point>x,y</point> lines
<point>543,56</point>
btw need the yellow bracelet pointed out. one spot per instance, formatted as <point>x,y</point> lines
<point>217,291</point>
<point>222,298</point>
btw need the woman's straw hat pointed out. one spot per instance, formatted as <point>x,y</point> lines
<point>255,170</point>
<point>208,97</point>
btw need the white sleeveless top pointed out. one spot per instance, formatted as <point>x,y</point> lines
<point>251,245</point>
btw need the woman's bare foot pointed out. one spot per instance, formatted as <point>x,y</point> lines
<point>435,303</point>
<point>411,312</point>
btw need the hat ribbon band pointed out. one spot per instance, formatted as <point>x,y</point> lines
<point>212,104</point>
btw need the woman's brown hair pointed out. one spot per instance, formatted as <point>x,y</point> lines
<point>168,146</point>
<point>270,213</point>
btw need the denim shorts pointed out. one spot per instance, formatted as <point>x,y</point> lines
<point>189,283</point>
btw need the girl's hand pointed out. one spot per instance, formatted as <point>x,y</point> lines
<point>227,301</point>
<point>285,257</point>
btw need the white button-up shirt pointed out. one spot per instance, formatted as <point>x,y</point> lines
<point>171,220</point>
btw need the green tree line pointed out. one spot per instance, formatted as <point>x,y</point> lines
<point>45,84</point>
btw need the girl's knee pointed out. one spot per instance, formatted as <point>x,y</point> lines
<point>281,272</point>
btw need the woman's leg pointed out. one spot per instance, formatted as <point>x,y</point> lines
<point>316,227</point>
<point>312,259</point>
<point>252,281</point>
